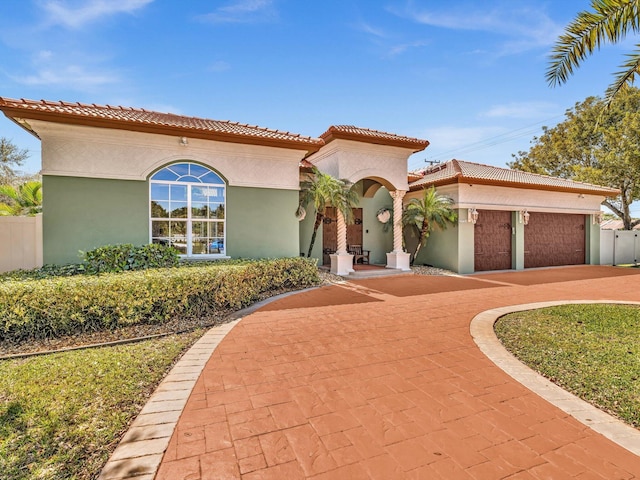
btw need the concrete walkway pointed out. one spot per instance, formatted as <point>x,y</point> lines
<point>381,379</point>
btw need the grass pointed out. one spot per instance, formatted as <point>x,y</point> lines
<point>592,351</point>
<point>62,415</point>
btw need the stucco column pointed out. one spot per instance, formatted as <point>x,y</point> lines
<point>397,196</point>
<point>398,258</point>
<point>342,234</point>
<point>341,261</point>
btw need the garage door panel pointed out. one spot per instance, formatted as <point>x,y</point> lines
<point>492,241</point>
<point>552,239</point>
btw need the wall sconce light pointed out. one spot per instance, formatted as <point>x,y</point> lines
<point>596,218</point>
<point>472,215</point>
<point>183,141</point>
<point>524,217</point>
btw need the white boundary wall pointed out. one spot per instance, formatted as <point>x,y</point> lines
<point>618,247</point>
<point>20,243</point>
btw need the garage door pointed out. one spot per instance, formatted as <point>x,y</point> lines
<point>492,241</point>
<point>554,239</point>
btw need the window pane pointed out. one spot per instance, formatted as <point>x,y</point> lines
<point>216,245</point>
<point>160,229</point>
<point>217,211</point>
<point>197,170</point>
<point>199,210</point>
<point>179,235</point>
<point>179,192</point>
<point>159,191</point>
<point>211,178</point>
<point>181,169</point>
<point>199,194</point>
<point>178,209</point>
<point>159,209</point>
<point>164,174</point>
<point>215,194</point>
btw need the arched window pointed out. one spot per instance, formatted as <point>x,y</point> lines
<point>187,209</point>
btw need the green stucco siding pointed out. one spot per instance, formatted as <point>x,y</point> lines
<point>261,223</point>
<point>85,213</point>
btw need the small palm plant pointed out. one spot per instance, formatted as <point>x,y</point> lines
<point>23,200</point>
<point>426,214</point>
<point>322,190</point>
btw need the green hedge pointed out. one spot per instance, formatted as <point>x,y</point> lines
<point>54,307</point>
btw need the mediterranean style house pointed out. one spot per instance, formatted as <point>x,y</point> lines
<point>219,189</point>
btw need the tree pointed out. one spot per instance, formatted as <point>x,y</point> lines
<point>595,146</point>
<point>609,22</point>
<point>24,200</point>
<point>426,214</point>
<point>322,190</point>
<point>10,157</point>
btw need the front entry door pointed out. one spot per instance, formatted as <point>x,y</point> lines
<point>330,232</point>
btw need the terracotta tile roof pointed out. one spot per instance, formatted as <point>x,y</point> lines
<point>349,132</point>
<point>614,224</point>
<point>459,171</point>
<point>138,119</point>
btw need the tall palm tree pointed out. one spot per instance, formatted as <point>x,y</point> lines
<point>426,214</point>
<point>323,191</point>
<point>609,22</point>
<point>23,200</point>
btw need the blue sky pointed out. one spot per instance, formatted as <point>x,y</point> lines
<point>466,75</point>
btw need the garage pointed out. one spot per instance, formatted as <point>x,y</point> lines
<point>552,239</point>
<point>492,240</point>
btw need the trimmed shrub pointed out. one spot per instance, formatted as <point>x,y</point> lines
<point>55,307</point>
<point>118,258</point>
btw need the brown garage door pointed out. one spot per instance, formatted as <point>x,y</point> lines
<point>492,241</point>
<point>554,239</point>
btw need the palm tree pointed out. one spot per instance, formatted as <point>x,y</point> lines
<point>426,214</point>
<point>609,22</point>
<point>23,200</point>
<point>323,191</point>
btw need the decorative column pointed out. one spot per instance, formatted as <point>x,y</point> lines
<point>398,258</point>
<point>341,261</point>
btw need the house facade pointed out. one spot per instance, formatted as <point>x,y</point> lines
<point>218,189</point>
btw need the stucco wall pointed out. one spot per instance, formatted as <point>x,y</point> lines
<point>261,223</point>
<point>85,213</point>
<point>69,150</point>
<point>374,238</point>
<point>357,160</point>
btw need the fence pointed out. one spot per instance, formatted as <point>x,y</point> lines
<point>619,247</point>
<point>20,243</point>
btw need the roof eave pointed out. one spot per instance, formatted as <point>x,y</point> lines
<point>607,192</point>
<point>13,113</point>
<point>415,146</point>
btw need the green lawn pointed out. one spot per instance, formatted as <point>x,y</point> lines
<point>62,415</point>
<point>592,351</point>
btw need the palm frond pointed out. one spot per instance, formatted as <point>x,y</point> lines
<point>610,22</point>
<point>624,77</point>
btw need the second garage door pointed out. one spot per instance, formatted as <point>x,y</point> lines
<point>554,239</point>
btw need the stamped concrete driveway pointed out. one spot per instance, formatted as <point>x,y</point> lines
<point>381,379</point>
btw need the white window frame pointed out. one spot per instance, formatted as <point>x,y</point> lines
<point>189,219</point>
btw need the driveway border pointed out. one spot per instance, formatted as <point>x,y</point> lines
<point>484,336</point>
<point>140,451</point>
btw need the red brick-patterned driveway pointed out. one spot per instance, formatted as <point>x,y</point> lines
<point>381,379</point>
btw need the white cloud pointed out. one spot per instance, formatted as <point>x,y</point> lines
<point>71,76</point>
<point>243,11</point>
<point>523,110</point>
<point>524,27</point>
<point>219,66</point>
<point>398,49</point>
<point>369,29</point>
<point>78,14</point>
<point>450,139</point>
